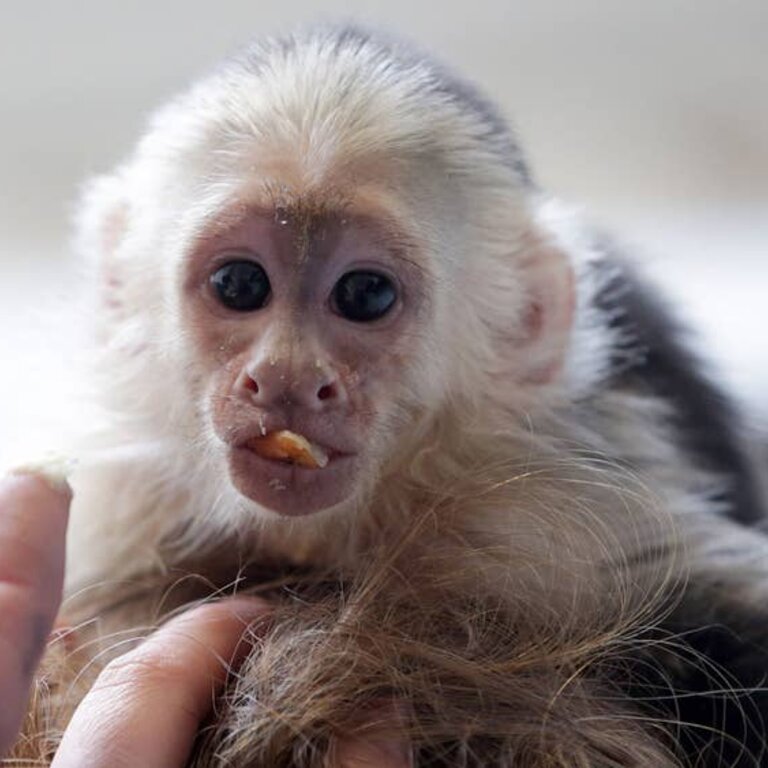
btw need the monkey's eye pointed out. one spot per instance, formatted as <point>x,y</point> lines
<point>241,285</point>
<point>363,296</point>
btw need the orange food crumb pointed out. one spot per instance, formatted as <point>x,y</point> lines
<point>285,445</point>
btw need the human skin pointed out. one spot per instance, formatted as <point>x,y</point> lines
<point>145,708</point>
<point>33,523</point>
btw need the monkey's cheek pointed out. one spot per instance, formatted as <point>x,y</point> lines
<point>291,490</point>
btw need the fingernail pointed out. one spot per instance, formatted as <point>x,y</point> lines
<point>247,608</point>
<point>53,470</point>
<point>253,612</point>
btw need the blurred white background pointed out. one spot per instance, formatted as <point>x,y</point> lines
<point>653,115</point>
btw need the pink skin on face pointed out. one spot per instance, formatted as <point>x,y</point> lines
<point>296,363</point>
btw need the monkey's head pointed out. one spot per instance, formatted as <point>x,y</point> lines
<point>330,236</point>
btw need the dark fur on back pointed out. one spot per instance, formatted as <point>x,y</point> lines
<point>708,425</point>
<point>705,668</point>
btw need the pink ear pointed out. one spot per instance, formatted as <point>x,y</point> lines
<point>102,224</point>
<point>102,217</point>
<point>548,318</point>
<point>113,229</point>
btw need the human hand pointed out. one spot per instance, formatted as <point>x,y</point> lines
<point>33,521</point>
<point>147,705</point>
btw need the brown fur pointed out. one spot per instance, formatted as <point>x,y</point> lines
<point>484,676</point>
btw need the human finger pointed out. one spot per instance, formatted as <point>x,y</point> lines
<point>34,510</point>
<point>146,706</point>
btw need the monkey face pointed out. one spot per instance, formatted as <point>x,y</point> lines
<point>303,248</point>
<point>301,321</point>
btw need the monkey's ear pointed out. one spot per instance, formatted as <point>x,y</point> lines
<point>548,315</point>
<point>102,223</point>
<point>102,217</point>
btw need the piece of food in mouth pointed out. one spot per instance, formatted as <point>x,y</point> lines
<point>285,445</point>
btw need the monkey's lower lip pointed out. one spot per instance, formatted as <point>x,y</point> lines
<point>290,489</point>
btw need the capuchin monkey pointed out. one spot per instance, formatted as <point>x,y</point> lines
<point>351,357</point>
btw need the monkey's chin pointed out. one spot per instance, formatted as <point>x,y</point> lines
<point>290,490</point>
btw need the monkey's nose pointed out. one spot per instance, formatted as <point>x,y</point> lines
<point>315,388</point>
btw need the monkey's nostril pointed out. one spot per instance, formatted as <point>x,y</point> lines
<point>252,385</point>
<point>326,392</point>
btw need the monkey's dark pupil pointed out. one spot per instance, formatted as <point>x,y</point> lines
<point>364,296</point>
<point>241,285</point>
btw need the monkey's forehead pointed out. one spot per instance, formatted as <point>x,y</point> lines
<point>306,213</point>
<point>330,97</point>
<point>305,223</point>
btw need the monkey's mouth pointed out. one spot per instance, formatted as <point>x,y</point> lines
<point>289,474</point>
<point>288,447</point>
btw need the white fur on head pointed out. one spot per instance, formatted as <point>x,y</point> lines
<point>327,113</point>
